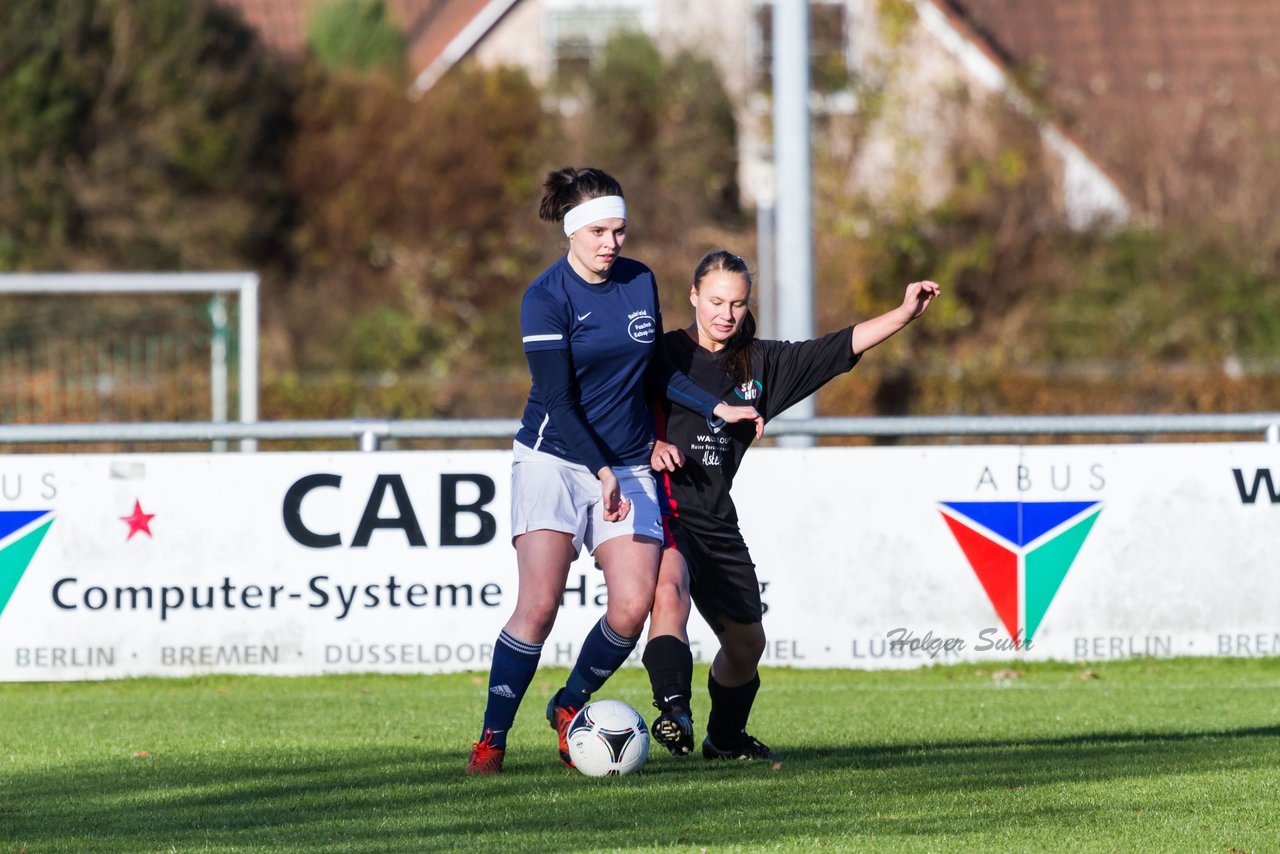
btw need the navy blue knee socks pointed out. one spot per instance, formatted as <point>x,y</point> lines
<point>514,663</point>
<point>603,652</point>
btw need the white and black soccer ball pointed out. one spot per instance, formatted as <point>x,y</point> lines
<point>607,738</point>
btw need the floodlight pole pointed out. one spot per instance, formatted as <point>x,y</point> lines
<point>766,284</point>
<point>794,252</point>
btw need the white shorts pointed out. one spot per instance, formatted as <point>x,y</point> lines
<point>551,494</point>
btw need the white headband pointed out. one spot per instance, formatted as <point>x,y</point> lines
<point>601,207</point>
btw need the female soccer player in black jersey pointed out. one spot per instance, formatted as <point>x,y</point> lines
<point>710,562</point>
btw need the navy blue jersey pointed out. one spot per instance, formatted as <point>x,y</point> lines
<point>610,330</point>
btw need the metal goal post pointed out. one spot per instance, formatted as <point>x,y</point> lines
<point>242,284</point>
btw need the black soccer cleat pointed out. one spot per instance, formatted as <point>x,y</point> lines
<point>749,748</point>
<point>673,729</point>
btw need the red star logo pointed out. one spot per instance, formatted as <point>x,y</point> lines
<point>138,521</point>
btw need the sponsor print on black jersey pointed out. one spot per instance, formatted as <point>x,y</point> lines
<point>713,444</point>
<point>750,390</point>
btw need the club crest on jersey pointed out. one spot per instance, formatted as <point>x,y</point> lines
<point>641,326</point>
<point>750,390</point>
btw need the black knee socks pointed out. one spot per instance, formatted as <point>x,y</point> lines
<point>669,662</point>
<point>730,708</point>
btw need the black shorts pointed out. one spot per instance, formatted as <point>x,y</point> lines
<point>722,576</point>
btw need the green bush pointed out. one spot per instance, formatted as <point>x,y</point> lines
<point>355,34</point>
<point>137,134</point>
<point>418,217</point>
<point>665,128</point>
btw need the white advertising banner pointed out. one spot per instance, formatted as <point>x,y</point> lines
<point>175,564</point>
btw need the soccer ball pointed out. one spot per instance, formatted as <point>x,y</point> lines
<point>607,738</point>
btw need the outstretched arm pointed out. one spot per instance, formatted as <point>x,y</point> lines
<point>869,333</point>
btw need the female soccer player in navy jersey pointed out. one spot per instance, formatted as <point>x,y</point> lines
<point>592,334</point>
<point>710,562</point>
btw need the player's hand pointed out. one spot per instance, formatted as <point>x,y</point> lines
<point>665,456</point>
<point>918,297</point>
<point>615,506</point>
<point>734,414</point>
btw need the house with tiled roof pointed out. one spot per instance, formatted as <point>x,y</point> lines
<point>1114,89</point>
<point>431,27</point>
<point>556,39</point>
<point>1175,99</point>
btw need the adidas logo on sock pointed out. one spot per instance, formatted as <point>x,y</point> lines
<point>503,691</point>
<point>603,674</point>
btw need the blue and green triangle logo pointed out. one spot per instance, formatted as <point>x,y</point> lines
<point>1020,551</point>
<point>21,532</point>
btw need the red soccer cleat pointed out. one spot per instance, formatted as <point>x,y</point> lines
<point>560,717</point>
<point>485,758</point>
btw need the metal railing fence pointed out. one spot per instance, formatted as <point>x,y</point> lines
<point>371,434</point>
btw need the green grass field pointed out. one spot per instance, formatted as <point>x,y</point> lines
<point>1178,755</point>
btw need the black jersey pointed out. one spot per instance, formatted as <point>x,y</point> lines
<point>782,374</point>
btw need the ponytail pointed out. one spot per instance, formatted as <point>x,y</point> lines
<point>735,359</point>
<point>567,188</point>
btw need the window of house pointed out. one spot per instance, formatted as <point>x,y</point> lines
<point>829,63</point>
<point>577,34</point>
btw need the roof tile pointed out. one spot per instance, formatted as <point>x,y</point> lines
<point>429,25</point>
<point>1124,75</point>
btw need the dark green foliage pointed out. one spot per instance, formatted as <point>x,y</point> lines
<point>1167,298</point>
<point>626,97</point>
<point>355,34</point>
<point>666,129</point>
<point>419,230</point>
<point>699,144</point>
<point>138,134</point>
